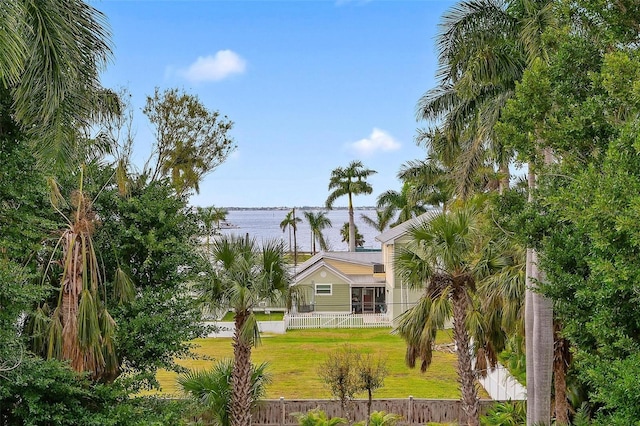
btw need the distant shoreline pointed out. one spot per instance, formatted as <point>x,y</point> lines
<point>298,208</point>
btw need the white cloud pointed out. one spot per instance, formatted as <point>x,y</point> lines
<point>379,140</point>
<point>215,68</point>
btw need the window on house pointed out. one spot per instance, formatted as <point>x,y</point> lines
<point>324,289</point>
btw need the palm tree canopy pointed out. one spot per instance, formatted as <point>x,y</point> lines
<point>52,54</point>
<point>349,181</point>
<point>383,219</point>
<point>318,222</point>
<point>244,273</point>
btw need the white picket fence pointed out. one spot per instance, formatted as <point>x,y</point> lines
<point>335,320</point>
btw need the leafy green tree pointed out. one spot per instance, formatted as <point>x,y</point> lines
<point>212,388</point>
<point>151,235</point>
<point>317,222</point>
<point>339,372</point>
<point>242,275</point>
<point>191,141</point>
<point>371,373</point>
<point>349,181</point>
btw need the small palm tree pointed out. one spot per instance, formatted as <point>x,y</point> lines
<point>346,237</point>
<point>242,275</point>
<point>291,221</point>
<point>403,202</point>
<point>382,221</point>
<point>212,388</point>
<point>349,181</point>
<point>209,219</point>
<point>317,222</point>
<point>317,417</point>
<point>443,256</point>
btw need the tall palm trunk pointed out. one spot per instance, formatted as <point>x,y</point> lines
<point>505,177</point>
<point>352,227</point>
<point>241,376</point>
<point>539,342</point>
<point>465,370</point>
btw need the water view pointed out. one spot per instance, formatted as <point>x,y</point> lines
<point>264,224</point>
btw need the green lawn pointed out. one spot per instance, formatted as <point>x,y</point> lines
<point>260,316</point>
<point>295,356</point>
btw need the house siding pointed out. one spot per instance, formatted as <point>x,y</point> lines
<point>338,301</point>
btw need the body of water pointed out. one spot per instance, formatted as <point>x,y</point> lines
<point>264,224</point>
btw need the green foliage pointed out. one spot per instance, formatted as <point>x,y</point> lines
<point>318,417</point>
<point>380,418</point>
<point>211,389</point>
<point>191,141</point>
<point>344,233</point>
<point>340,374</point>
<point>506,414</point>
<point>151,235</point>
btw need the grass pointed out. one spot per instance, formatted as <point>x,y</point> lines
<point>295,356</point>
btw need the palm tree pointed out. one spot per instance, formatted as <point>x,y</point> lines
<point>80,328</point>
<point>243,275</point>
<point>209,219</point>
<point>346,230</point>
<point>212,388</point>
<point>291,221</point>
<point>52,54</point>
<point>349,181</point>
<point>318,222</point>
<point>404,202</point>
<point>382,221</point>
<point>484,48</point>
<point>442,255</point>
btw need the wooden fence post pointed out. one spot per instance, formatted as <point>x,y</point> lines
<point>282,410</point>
<point>410,416</point>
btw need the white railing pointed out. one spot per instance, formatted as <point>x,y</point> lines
<point>335,320</point>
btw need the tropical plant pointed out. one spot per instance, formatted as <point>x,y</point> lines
<point>380,418</point>
<point>345,231</point>
<point>242,275</point>
<point>349,181</point>
<point>52,55</point>
<point>209,219</point>
<point>79,329</point>
<point>505,414</point>
<point>317,417</point>
<point>382,221</point>
<point>317,222</point>
<point>402,202</point>
<point>212,389</point>
<point>443,255</point>
<point>290,221</point>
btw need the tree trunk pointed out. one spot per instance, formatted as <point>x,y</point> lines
<point>241,376</point>
<point>466,375</point>
<point>505,177</point>
<point>560,362</point>
<point>539,342</point>
<point>352,227</point>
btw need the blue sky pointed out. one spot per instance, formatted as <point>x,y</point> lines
<point>310,86</point>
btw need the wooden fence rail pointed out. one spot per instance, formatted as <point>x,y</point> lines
<point>413,411</point>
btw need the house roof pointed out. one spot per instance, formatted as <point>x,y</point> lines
<point>401,229</point>
<point>319,260</point>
